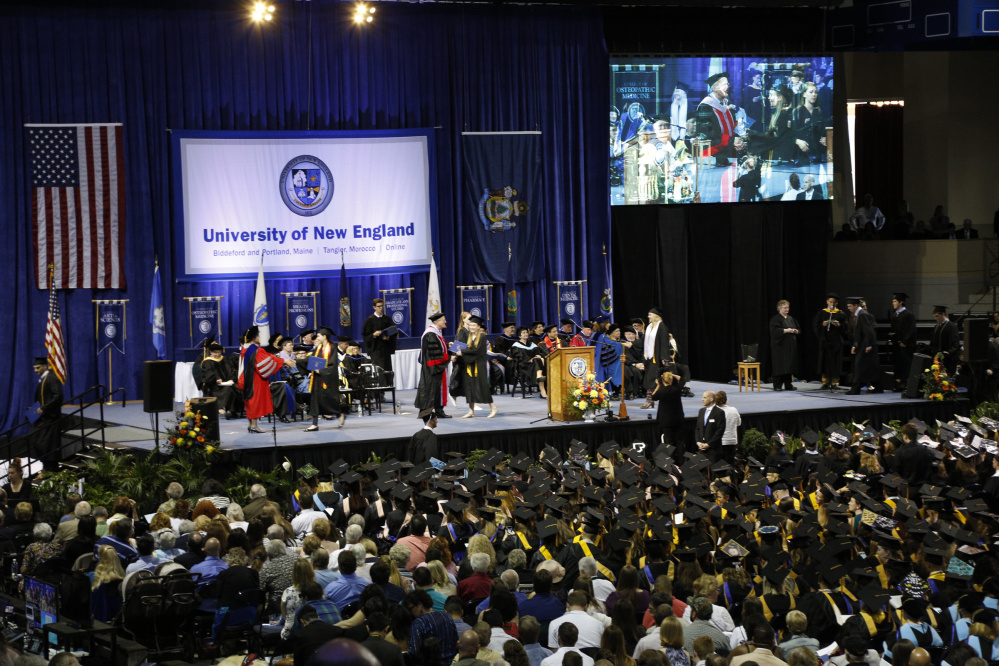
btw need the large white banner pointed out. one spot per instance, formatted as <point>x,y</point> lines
<point>302,199</point>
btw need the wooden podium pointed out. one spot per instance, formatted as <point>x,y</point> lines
<point>564,368</point>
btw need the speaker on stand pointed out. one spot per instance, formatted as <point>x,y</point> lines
<point>157,390</point>
<point>208,408</point>
<point>920,364</point>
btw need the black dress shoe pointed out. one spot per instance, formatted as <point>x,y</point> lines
<point>853,392</point>
<point>442,415</point>
<point>284,419</point>
<point>777,388</point>
<point>790,388</point>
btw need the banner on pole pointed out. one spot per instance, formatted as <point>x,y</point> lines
<point>205,314</point>
<point>570,301</point>
<point>300,312</point>
<point>398,308</point>
<point>475,301</point>
<point>111,325</point>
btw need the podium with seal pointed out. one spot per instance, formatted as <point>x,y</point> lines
<point>565,368</point>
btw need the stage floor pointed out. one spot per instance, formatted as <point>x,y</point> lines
<point>130,426</point>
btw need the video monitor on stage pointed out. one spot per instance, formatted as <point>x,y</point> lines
<point>723,129</point>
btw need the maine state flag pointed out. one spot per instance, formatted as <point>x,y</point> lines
<point>504,204</point>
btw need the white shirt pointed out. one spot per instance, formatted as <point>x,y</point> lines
<point>732,422</point>
<point>720,618</point>
<point>602,589</point>
<point>556,659</point>
<point>651,641</point>
<point>590,630</point>
<point>497,638</point>
<point>302,523</point>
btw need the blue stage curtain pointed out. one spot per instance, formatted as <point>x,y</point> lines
<point>194,67</point>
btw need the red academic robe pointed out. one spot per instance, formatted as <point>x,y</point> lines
<point>255,368</point>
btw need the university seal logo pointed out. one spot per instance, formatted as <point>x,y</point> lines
<point>110,330</point>
<point>499,208</point>
<point>577,367</point>
<point>301,321</point>
<point>397,317</point>
<point>205,326</point>
<point>306,185</point>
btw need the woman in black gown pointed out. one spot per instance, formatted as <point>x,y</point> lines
<point>784,333</point>
<point>670,413</point>
<point>475,365</point>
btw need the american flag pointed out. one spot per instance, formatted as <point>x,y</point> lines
<point>53,338</point>
<point>78,204</point>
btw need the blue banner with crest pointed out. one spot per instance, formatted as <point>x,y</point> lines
<point>300,313</point>
<point>570,302</point>
<point>475,300</point>
<point>398,309</point>
<point>504,207</point>
<point>204,320</point>
<point>111,325</point>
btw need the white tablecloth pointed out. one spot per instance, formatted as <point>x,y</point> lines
<point>183,382</point>
<point>406,364</point>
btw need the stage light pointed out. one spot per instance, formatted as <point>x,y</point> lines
<point>262,12</point>
<point>362,13</point>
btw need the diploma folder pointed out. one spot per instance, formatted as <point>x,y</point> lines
<point>391,330</point>
<point>457,346</point>
<point>316,364</point>
<point>33,414</point>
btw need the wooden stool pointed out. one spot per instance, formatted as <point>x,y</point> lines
<point>751,372</point>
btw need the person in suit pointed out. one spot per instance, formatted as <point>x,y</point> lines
<point>710,427</point>
<point>946,339</point>
<point>46,431</point>
<point>902,337</point>
<point>967,233</point>
<point>810,192</point>
<point>866,367</point>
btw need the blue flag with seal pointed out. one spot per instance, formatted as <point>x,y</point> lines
<point>111,326</point>
<point>301,313</point>
<point>344,305</point>
<point>475,300</point>
<point>510,293</point>
<point>503,204</point>
<point>570,300</point>
<point>397,308</point>
<point>204,320</point>
<point>156,317</point>
<point>607,300</point>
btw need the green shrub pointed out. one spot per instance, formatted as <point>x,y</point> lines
<point>754,443</point>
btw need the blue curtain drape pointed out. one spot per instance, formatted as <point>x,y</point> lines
<point>191,67</point>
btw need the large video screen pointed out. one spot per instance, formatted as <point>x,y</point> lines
<point>710,130</point>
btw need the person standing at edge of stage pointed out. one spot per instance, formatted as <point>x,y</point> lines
<point>866,367</point>
<point>423,445</point>
<point>784,333</point>
<point>379,345</point>
<point>431,393</point>
<point>47,433</point>
<point>902,338</point>
<point>476,368</point>
<point>656,347</point>
<point>255,367</point>
<point>324,385</point>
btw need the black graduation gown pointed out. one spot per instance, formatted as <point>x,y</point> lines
<point>47,431</point>
<point>633,377</point>
<point>422,446</point>
<point>456,383</point>
<point>902,332</point>
<point>212,371</point>
<point>476,372</point>
<point>380,350</point>
<point>430,394</point>
<point>670,413</point>
<point>776,143</point>
<point>783,346</point>
<point>947,341</point>
<point>831,341</point>
<point>866,367</point>
<point>990,492</point>
<point>749,185</point>
<point>659,358</point>
<point>502,344</point>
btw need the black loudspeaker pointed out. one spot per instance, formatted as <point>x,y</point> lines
<point>976,340</point>
<point>209,410</point>
<point>920,364</point>
<point>157,386</point>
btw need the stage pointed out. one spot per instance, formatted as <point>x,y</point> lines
<point>521,424</point>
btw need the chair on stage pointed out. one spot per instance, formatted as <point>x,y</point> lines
<point>379,382</point>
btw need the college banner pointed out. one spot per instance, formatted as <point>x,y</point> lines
<point>570,301</point>
<point>475,300</point>
<point>302,202</point>
<point>300,313</point>
<point>398,308</point>
<point>503,204</point>
<point>205,318</point>
<point>111,325</point>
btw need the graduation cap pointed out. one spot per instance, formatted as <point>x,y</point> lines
<point>597,473</point>
<point>546,528</point>
<point>664,504</point>
<point>629,498</point>
<point>734,549</point>
<point>421,472</point>
<point>661,528</point>
<point>920,426</point>
<point>873,596</point>
<point>594,494</point>
<point>402,492</point>
<point>524,513</point>
<point>775,572</point>
<point>521,462</point>
<point>555,503</point>
<point>634,455</point>
<point>339,467</point>
<point>939,309</point>
<point>713,79</point>
<point>892,480</point>
<point>385,485</point>
<point>608,449</point>
<point>307,471</point>
<point>629,521</point>
<point>455,505</point>
<point>698,462</point>
<point>959,494</point>
<point>350,477</point>
<point>474,481</point>
<point>905,507</point>
<point>431,495</point>
<point>627,475</point>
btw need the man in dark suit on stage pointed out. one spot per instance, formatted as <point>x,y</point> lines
<point>710,427</point>
<point>946,339</point>
<point>967,233</point>
<point>902,337</point>
<point>810,193</point>
<point>46,431</point>
<point>866,366</point>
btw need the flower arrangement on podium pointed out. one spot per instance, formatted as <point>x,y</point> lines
<point>937,384</point>
<point>189,434</point>
<point>590,397</point>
